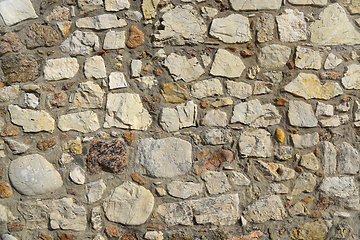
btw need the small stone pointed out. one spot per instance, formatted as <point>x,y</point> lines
<point>59,13</point>
<point>273,56</point>
<point>135,16</point>
<point>161,192</point>
<point>204,104</point>
<point>129,236</point>
<point>31,100</point>
<point>182,68</point>
<point>311,230</point>
<point>87,6</point>
<point>252,72</point>
<point>309,161</point>
<point>114,40</point>
<point>73,146</point>
<point>305,182</point>
<point>265,24</point>
<point>10,42</point>
<point>215,136</point>
<point>238,179</point>
<point>350,79</point>
<point>332,61</point>
<point>95,218</point>
<point>137,179</point>
<point>330,75</point>
<point>46,144</point>
<point>218,157</point>
<point>324,110</point>
<point>221,102</point>
<point>280,135</point>
<point>227,64</point>
<point>64,27</point>
<point>347,159</point>
<point>44,236</point>
<point>60,68</point>
<point>215,118</point>
<point>239,90</point>
<point>16,147</point>
<point>280,102</point>
<point>278,188</point>
<point>283,153</point>
<point>95,67</point>
<point>255,143</point>
<point>94,190</point>
<point>10,130</point>
<point>275,76</point>
<point>112,231</point>
<point>309,2</point>
<point>247,112</point>
<point>77,174</point>
<point>100,22</point>
<point>208,12</point>
<point>207,88</point>
<point>255,5</point>
<point>14,11</point>
<point>278,172</point>
<point>301,114</point>
<point>80,43</point>
<point>246,53</point>
<point>5,190</point>
<point>66,236</point>
<point>136,38</point>
<point>305,141</point>
<point>261,87</point>
<point>291,25</point>
<point>116,5</point>
<point>298,209</point>
<point>184,189</point>
<point>307,58</point>
<point>146,82</point>
<point>38,35</point>
<point>154,235</point>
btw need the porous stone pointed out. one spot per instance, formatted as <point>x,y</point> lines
<point>277,171</point>
<point>265,24</point>
<point>332,61</point>
<point>80,43</point>
<point>291,25</point>
<point>309,161</point>
<point>73,146</point>
<point>88,95</point>
<point>94,67</point>
<point>215,118</point>
<point>348,159</point>
<point>38,35</point>
<point>95,219</point>
<point>207,88</point>
<point>9,93</point>
<point>239,90</point>
<point>10,42</point>
<point>59,13</point>
<point>184,189</point>
<point>60,68</point>
<point>301,114</point>
<point>84,122</point>
<point>116,5</point>
<point>306,140</point>
<point>261,87</point>
<point>252,5</point>
<point>215,182</point>
<point>283,152</point>
<point>255,143</point>
<point>311,230</point>
<point>273,56</point>
<point>182,68</point>
<point>307,58</point>
<point>14,11</point>
<point>216,136</point>
<point>34,175</point>
<point>238,179</point>
<point>309,2</point>
<point>136,38</point>
<point>114,40</point>
<point>351,77</point>
<point>101,22</point>
<point>342,187</point>
<point>323,109</point>
<point>227,64</point>
<point>305,182</point>
<point>94,192</point>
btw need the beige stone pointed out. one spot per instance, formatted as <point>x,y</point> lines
<point>84,122</point>
<point>227,64</point>
<point>252,5</point>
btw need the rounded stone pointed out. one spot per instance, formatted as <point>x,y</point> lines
<point>280,135</point>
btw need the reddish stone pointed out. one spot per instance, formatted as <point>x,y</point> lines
<point>110,156</point>
<point>2,111</point>
<point>128,236</point>
<point>10,42</point>
<point>197,171</point>
<point>156,99</point>
<point>128,136</point>
<point>204,104</point>
<point>322,204</point>
<point>46,144</point>
<point>136,38</point>
<point>10,130</point>
<point>137,179</point>
<point>5,190</point>
<point>48,87</point>
<point>290,64</point>
<point>231,48</point>
<point>149,103</point>
<point>39,35</point>
<point>246,53</point>
<point>292,130</point>
<point>155,226</point>
<point>101,52</point>
<point>28,141</point>
<point>45,237</point>
<point>15,226</point>
<point>202,155</point>
<point>218,157</point>
<point>252,236</point>
<point>147,67</point>
<point>63,135</point>
<point>280,102</point>
<point>112,231</point>
<point>250,46</point>
<point>308,199</point>
<point>157,72</point>
<point>58,99</point>
<point>298,169</point>
<point>68,85</point>
<point>66,236</point>
<point>317,151</point>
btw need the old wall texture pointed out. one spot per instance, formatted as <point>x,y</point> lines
<point>179,119</point>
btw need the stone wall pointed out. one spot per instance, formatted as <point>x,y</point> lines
<point>180,120</point>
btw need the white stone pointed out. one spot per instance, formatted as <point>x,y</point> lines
<point>234,28</point>
<point>274,56</point>
<point>342,214</point>
<point>182,68</point>
<point>129,204</point>
<point>348,159</point>
<point>84,122</point>
<point>146,82</point>
<point>136,67</point>
<point>252,5</point>
<point>323,109</point>
<point>31,100</point>
<point>239,90</point>
<point>216,136</point>
<point>9,93</point>
<point>206,59</point>
<point>114,40</point>
<point>333,31</point>
<point>154,235</point>
<point>117,80</point>
<point>301,114</point>
<point>215,182</point>
<point>184,115</point>
<point>207,88</point>
<point>77,174</point>
<point>261,87</point>
<point>60,68</point>
<point>305,182</point>
<point>95,218</point>
<point>135,16</point>
<point>8,237</point>
<point>247,112</point>
<point>334,121</point>
<point>319,3</point>
<point>33,175</point>
<point>16,147</point>
<point>116,5</point>
<point>31,120</point>
<point>169,119</point>
<point>270,116</point>
<point>343,107</point>
<point>80,43</point>
<point>342,187</point>
<point>209,12</point>
<point>125,110</point>
<point>278,188</point>
<point>227,64</point>
<point>99,237</point>
<point>101,22</point>
<point>65,159</point>
<point>329,158</point>
<point>307,58</point>
<point>184,189</point>
<point>94,191</point>
<point>14,11</point>
<point>309,161</point>
<point>89,95</point>
<point>277,171</point>
<point>292,26</point>
<point>156,157</point>
<point>332,61</point>
<point>351,77</point>
<point>215,118</point>
<point>255,143</point>
<point>306,140</point>
<point>238,179</point>
<point>94,67</point>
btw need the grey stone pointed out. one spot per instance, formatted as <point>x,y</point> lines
<point>329,158</point>
<point>334,121</point>
<point>114,40</point>
<point>274,56</point>
<point>238,179</point>
<point>275,76</point>
<point>227,64</point>
<point>291,25</point>
<point>146,82</point>
<point>262,87</point>
<point>14,11</point>
<point>8,237</point>
<point>278,188</point>
<point>182,68</point>
<point>342,187</point>
<point>95,218</point>
<point>94,191</point>
<point>255,143</point>
<point>116,5</point>
<point>252,5</point>
<point>239,90</point>
<point>307,58</point>
<point>9,93</point>
<point>216,136</point>
<point>306,140</point>
<point>283,152</point>
<point>80,43</point>
<point>215,182</point>
<point>309,161</point>
<point>84,122</point>
<point>277,171</point>
<point>298,209</point>
<point>351,77</point>
<point>265,24</point>
<point>343,107</point>
<point>89,95</point>
<point>135,16</point>
<point>16,147</point>
<point>301,114</point>
<point>347,159</point>
<point>101,22</point>
<point>153,235</point>
<point>247,112</point>
<point>305,182</point>
<point>60,68</point>
<point>87,6</point>
<point>215,118</point>
<point>184,189</point>
<point>207,88</point>
<point>94,67</point>
<point>332,61</point>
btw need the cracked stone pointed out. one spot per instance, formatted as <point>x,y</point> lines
<point>265,25</point>
<point>114,40</point>
<point>184,189</point>
<point>227,64</point>
<point>84,122</point>
<point>14,11</point>
<point>182,68</point>
<point>307,58</point>
<point>277,171</point>
<point>207,88</point>
<point>255,143</point>
<point>291,25</point>
<point>301,114</point>
<point>274,56</point>
<point>101,22</point>
<point>88,95</point>
<point>80,43</point>
<point>239,90</point>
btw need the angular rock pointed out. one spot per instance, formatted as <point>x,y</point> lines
<point>95,218</point>
<point>333,31</point>
<point>73,146</point>
<point>311,230</point>
<point>309,161</point>
<point>101,22</point>
<point>84,122</point>
<point>215,182</point>
<point>265,24</point>
<point>174,92</point>
<point>247,112</point>
<point>305,182</point>
<point>252,5</point>
<point>274,56</point>
<point>332,61</point>
<point>277,171</point>
<point>182,68</point>
<point>207,88</point>
<point>9,93</point>
<point>60,68</point>
<point>227,64</point>
<point>208,12</point>
<point>221,102</point>
<point>261,87</point>
<point>125,110</point>
<point>31,100</point>
<point>157,156</point>
<point>136,67</point>
<point>352,6</point>
<point>348,159</point>
<point>301,114</point>
<point>329,158</point>
<point>351,77</point>
<point>153,235</point>
<point>94,191</point>
<point>215,136</point>
<point>149,8</point>
<point>80,43</point>
<point>278,188</point>
<point>298,209</point>
<point>215,118</point>
<point>324,110</point>
<point>291,25</point>
<point>136,38</point>
<point>87,6</point>
<point>116,5</point>
<point>184,189</point>
<point>319,3</point>
<point>10,42</point>
<point>94,67</point>
<point>239,90</point>
<point>275,76</point>
<point>38,35</point>
<point>238,179</point>
<point>33,174</point>
<point>255,143</point>
<point>342,187</point>
<point>114,40</point>
<point>77,174</point>
<point>117,80</point>
<point>184,115</point>
<point>16,147</point>
<point>334,121</point>
<point>146,82</point>
<point>59,13</point>
<point>88,95</point>
<point>307,58</point>
<point>129,204</point>
<point>64,27</point>
<point>234,28</point>
<point>305,141</point>
<point>217,158</point>
<point>14,11</point>
<point>283,152</point>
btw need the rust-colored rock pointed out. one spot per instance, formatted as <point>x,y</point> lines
<point>146,100</point>
<point>218,157</point>
<point>128,136</point>
<point>197,171</point>
<point>322,204</point>
<point>316,215</point>
<point>58,99</point>
<point>204,104</point>
<point>308,199</point>
<point>136,38</point>
<point>44,236</point>
<point>155,226</point>
<point>10,130</point>
<point>233,49</point>
<point>67,86</point>
<point>252,236</point>
<point>290,64</point>
<point>71,191</point>
<point>10,42</point>
<point>38,35</point>
<point>280,102</point>
<point>46,144</point>
<point>156,99</point>
<point>246,53</point>
<point>292,130</point>
<point>5,190</point>
<point>63,136</point>
<point>202,155</point>
<point>66,236</point>
<point>128,236</point>
<point>137,179</point>
<point>299,169</point>
<point>109,156</point>
<point>319,174</point>
<point>317,151</point>
<point>112,231</point>
<point>15,226</point>
<point>157,72</point>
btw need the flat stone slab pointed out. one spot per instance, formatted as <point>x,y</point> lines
<point>255,143</point>
<point>251,5</point>
<point>100,22</point>
<point>14,11</point>
<point>182,68</point>
<point>342,187</point>
<point>227,64</point>
<point>60,68</point>
<point>84,122</point>
<point>274,56</point>
<point>351,79</point>
<point>301,114</point>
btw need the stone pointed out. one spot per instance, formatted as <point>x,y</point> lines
<point>234,28</point>
<point>73,146</point>
<point>21,67</point>
<point>220,210</point>
<point>239,90</point>
<point>136,38</point>
<point>307,58</point>
<point>58,13</point>
<point>301,114</point>
<point>60,68</point>
<point>343,107</point>
<point>80,43</point>
<point>283,152</point>
<point>138,179</point>
<point>116,5</point>
<point>238,179</point>
<point>255,143</point>
<point>330,75</point>
<point>38,35</point>
<point>298,209</point>
<point>181,25</point>
<point>87,6</point>
<point>114,40</point>
<point>182,68</point>
<point>31,120</point>
<point>215,182</point>
<point>24,174</point>
<point>7,237</point>
<point>261,87</point>
<point>95,218</point>
<point>109,156</point>
<point>347,159</point>
<point>207,88</point>
<point>227,64</point>
<point>265,208</point>
<point>155,157</point>
<point>149,8</point>
<point>216,136</point>
<point>209,12</point>
<point>319,3</point>
<point>264,27</point>
<point>280,135</point>
<point>309,161</point>
<point>292,26</point>
<point>329,158</point>
<point>278,188</point>
<point>46,144</point>
<point>184,189</point>
<point>247,112</point>
<point>311,230</point>
<point>88,95</point>
<point>252,5</point>
<point>84,122</point>
<point>9,93</point>
<point>333,31</point>
<point>332,61</point>
<point>5,190</point>
<point>305,141</point>
<point>10,130</point>
<point>352,6</point>
<point>31,100</point>
<point>101,22</point>
<point>275,76</point>
<point>66,236</point>
<point>175,92</point>
<point>135,16</point>
<point>112,231</point>
<point>16,147</point>
<point>273,56</point>
<point>77,174</point>
<point>14,11</point>
<point>94,67</point>
<point>326,110</point>
<point>215,118</point>
<point>153,235</point>
<point>64,27</point>
<point>117,80</point>
<point>136,67</point>
<point>305,182</point>
<point>221,102</point>
<point>129,204</point>
<point>351,76</point>
<point>10,42</point>
<point>125,110</point>
<point>334,121</point>
<point>65,159</point>
<point>277,171</point>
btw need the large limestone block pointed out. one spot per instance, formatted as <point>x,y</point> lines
<point>60,68</point>
<point>342,187</point>
<point>14,11</point>
<point>255,143</point>
<point>301,114</point>
<point>100,22</point>
<point>84,122</point>
<point>274,56</point>
<point>319,3</point>
<point>182,68</point>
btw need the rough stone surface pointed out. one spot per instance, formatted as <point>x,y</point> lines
<point>332,61</point>
<point>95,67</point>
<point>41,36</point>
<point>278,172</point>
<point>255,5</point>
<point>292,26</point>
<point>117,80</point>
<point>114,40</point>
<point>105,21</point>
<point>307,58</point>
<point>215,182</point>
<point>116,5</point>
<point>207,88</point>
<point>88,95</point>
<point>351,77</point>
<point>301,114</point>
<point>80,43</point>
<point>273,56</point>
<point>311,230</point>
<point>215,118</point>
<point>305,182</point>
<point>60,68</point>
<point>182,68</point>
<point>84,122</point>
<point>9,93</point>
<point>265,25</point>
<point>255,143</point>
<point>14,11</point>
<point>184,189</point>
<point>239,90</point>
<point>305,141</point>
<point>136,38</point>
<point>87,6</point>
<point>348,159</point>
<point>227,64</point>
<point>10,42</point>
<point>216,136</point>
<point>342,187</point>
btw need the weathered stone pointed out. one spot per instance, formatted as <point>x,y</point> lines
<point>238,179</point>
<point>88,95</point>
<point>9,130</point>
<point>33,175</point>
<point>14,11</point>
<point>73,146</point>
<point>255,143</point>
<point>334,121</point>
<point>129,204</point>
<point>184,115</point>
<point>239,90</point>
<point>21,67</point>
<point>16,147</point>
<point>125,110</point>
<point>332,61</point>
<point>227,64</point>
<point>94,191</point>
<point>84,122</point>
<point>333,31</point>
<point>305,141</point>
<point>114,40</point>
<point>307,58</point>
<point>87,6</point>
<point>278,188</point>
<point>305,182</point>
<point>215,136</point>
<point>329,158</point>
<point>5,190</point>
<point>116,5</point>
<point>77,174</point>
<point>80,43</point>
<point>215,118</point>
<point>342,187</point>
<point>215,182</point>
<point>265,24</point>
<point>278,172</point>
<point>309,2</point>
<point>351,77</point>
<point>234,28</point>
<point>301,114</point>
<point>146,82</point>
<point>182,68</point>
<point>156,157</point>
<point>60,68</point>
<point>59,13</point>
<point>309,161</point>
<point>221,102</point>
<point>298,209</point>
<point>207,88</point>
<point>209,12</point>
<point>136,67</point>
<point>31,100</point>
<point>10,42</point>
<point>9,93</point>
<point>275,76</point>
<point>247,112</point>
<point>46,144</point>
<point>252,5</point>
<point>117,80</point>
<point>153,235</point>
<point>311,230</point>
<point>136,37</point>
<point>64,27</point>
<point>112,231</point>
<point>324,110</point>
<point>95,67</point>
<point>149,8</point>
<point>348,159</point>
<point>175,92</point>
<point>184,189</point>
<point>38,35</point>
<point>101,22</point>
<point>283,153</point>
<point>261,87</point>
<point>274,56</point>
<point>95,218</point>
<point>291,25</point>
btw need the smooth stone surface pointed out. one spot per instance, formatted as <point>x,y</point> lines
<point>94,67</point>
<point>184,190</point>
<point>332,61</point>
<point>239,90</point>
<point>273,56</point>
<point>77,174</point>
<point>89,95</point>
<point>305,182</point>
<point>80,43</point>
<point>307,58</point>
<point>114,40</point>
<point>309,161</point>
<point>301,114</point>
<point>252,5</point>
<point>94,191</point>
<point>351,79</point>
<point>182,68</point>
<point>207,88</point>
<point>60,68</point>
<point>117,80</point>
<point>101,22</point>
<point>215,182</point>
<point>84,122</point>
<point>136,67</point>
<point>292,26</point>
<point>227,64</point>
<point>116,5</point>
<point>14,11</point>
<point>255,143</point>
<point>215,118</point>
<point>306,140</point>
<point>342,187</point>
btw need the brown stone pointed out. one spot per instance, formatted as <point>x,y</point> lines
<point>202,155</point>
<point>112,231</point>
<point>218,157</point>
<point>43,236</point>
<point>308,199</point>
<point>319,174</point>
<point>48,87</point>
<point>128,136</point>
<point>71,191</point>
<point>10,130</point>
<point>58,99</point>
<point>46,144</point>
<point>292,130</point>
<point>136,38</point>
<point>149,103</point>
<point>223,7</point>
<point>322,204</point>
<point>28,141</point>
<point>156,99</point>
<point>63,136</point>
<point>19,67</point>
<point>155,226</point>
<point>15,226</point>
<point>316,215</point>
<point>252,236</point>
<point>147,67</point>
<point>157,72</point>
<point>181,236</point>
<point>175,92</point>
<point>66,236</point>
<point>280,102</point>
<point>10,42</point>
<point>233,49</point>
<point>59,13</point>
<point>330,76</point>
<point>246,53</point>
<point>153,216</point>
<point>128,236</point>
<point>197,171</point>
<point>290,64</point>
<point>137,179</point>
<point>51,52</point>
<point>317,151</point>
<point>38,35</point>
<point>109,156</point>
<point>298,169</point>
<point>5,190</point>
<point>204,104</point>
<point>67,86</point>
<point>39,51</point>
